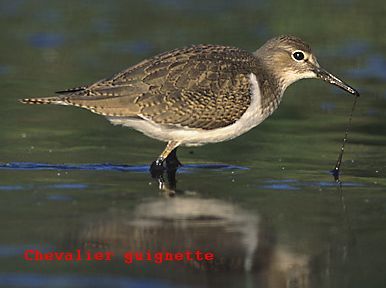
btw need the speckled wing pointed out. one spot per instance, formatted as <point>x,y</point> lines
<point>203,86</point>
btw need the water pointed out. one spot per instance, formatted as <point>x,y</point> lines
<point>265,203</point>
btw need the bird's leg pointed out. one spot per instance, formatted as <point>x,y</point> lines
<point>169,155</point>
<point>172,161</point>
<point>157,167</point>
<point>172,165</point>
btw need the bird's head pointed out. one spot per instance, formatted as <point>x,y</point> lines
<point>291,59</point>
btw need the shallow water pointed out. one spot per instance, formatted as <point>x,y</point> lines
<point>265,203</point>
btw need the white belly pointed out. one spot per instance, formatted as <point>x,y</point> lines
<point>252,117</point>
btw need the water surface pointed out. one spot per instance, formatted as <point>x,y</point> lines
<point>265,203</point>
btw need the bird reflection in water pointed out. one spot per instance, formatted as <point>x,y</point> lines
<point>243,243</point>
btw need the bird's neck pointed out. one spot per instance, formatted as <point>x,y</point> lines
<point>271,89</point>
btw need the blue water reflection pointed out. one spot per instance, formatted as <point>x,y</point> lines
<point>46,40</point>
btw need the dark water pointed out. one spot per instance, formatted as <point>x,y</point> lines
<point>265,203</point>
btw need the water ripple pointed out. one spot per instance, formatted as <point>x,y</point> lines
<point>42,280</point>
<point>110,167</point>
<point>293,184</point>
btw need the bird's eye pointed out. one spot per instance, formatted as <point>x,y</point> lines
<point>298,55</point>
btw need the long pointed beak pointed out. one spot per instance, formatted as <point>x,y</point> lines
<point>328,77</point>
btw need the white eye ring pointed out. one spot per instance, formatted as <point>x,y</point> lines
<point>298,56</point>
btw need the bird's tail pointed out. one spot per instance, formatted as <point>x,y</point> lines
<point>46,100</point>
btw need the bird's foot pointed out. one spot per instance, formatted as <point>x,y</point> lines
<point>157,171</point>
<point>169,165</point>
<point>157,168</point>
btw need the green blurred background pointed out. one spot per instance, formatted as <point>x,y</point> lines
<point>278,172</point>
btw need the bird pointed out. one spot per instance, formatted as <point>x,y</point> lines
<point>199,94</point>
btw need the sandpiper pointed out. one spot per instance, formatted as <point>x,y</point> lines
<point>199,94</point>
